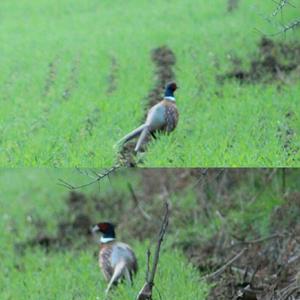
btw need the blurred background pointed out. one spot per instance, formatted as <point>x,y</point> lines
<point>216,214</point>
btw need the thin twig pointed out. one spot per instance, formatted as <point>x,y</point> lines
<point>290,26</point>
<point>97,178</point>
<point>280,6</point>
<point>223,268</point>
<point>163,230</point>
<point>260,240</point>
<point>137,202</point>
<point>148,264</point>
<point>146,291</point>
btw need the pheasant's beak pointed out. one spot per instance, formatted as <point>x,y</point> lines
<point>95,229</point>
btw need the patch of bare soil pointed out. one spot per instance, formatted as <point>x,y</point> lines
<point>82,212</point>
<point>91,120</point>
<point>274,61</point>
<point>73,228</point>
<point>164,59</point>
<point>51,76</point>
<point>76,222</point>
<point>112,78</point>
<point>73,78</point>
<point>232,5</point>
<point>126,157</point>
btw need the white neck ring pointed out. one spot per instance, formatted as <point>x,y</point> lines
<point>170,98</point>
<point>104,240</point>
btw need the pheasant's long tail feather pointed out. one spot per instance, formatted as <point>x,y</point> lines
<point>128,275</point>
<point>118,273</point>
<point>142,138</point>
<point>131,135</point>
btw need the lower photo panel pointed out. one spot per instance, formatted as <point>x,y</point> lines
<point>169,234</point>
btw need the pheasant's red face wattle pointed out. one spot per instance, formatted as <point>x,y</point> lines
<point>173,86</point>
<point>103,226</point>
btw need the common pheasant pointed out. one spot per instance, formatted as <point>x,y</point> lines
<point>161,117</point>
<point>116,260</point>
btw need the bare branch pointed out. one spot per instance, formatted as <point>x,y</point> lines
<point>146,291</point>
<point>163,230</point>
<point>280,5</point>
<point>96,178</point>
<point>137,202</point>
<point>257,241</point>
<point>223,268</point>
<point>292,25</point>
<point>148,264</point>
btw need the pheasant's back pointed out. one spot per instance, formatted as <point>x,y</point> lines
<point>163,116</point>
<point>122,252</point>
<point>113,253</point>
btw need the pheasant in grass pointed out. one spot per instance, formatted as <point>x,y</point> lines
<point>161,117</point>
<point>116,260</point>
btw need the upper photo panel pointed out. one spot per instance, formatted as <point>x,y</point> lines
<point>102,83</point>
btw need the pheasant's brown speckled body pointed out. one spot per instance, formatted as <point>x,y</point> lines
<point>104,261</point>
<point>112,254</point>
<point>171,115</point>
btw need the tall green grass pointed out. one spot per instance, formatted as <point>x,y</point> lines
<point>56,60</point>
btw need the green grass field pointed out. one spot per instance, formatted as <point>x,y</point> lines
<point>32,203</point>
<point>74,78</point>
